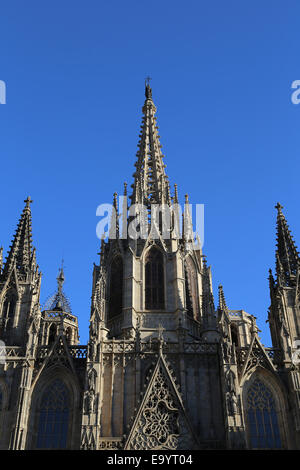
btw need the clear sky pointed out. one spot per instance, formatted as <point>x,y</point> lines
<point>221,77</point>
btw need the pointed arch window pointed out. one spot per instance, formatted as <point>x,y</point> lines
<point>53,419</point>
<point>262,417</point>
<point>154,280</point>
<point>116,288</point>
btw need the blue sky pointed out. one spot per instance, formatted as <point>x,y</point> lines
<point>221,78</point>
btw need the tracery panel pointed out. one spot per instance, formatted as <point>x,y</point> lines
<point>262,417</point>
<point>53,417</point>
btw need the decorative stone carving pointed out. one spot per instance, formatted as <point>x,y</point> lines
<point>92,380</point>
<point>227,351</point>
<point>89,402</point>
<point>161,422</point>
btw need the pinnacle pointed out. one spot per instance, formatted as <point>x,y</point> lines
<point>20,250</point>
<point>175,194</point>
<point>222,302</point>
<point>287,256</point>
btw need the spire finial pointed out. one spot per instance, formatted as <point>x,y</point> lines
<point>28,201</point>
<point>278,207</point>
<point>148,90</point>
<point>61,277</point>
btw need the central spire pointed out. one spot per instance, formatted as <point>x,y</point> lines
<point>151,185</point>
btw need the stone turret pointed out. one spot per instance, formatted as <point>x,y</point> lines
<point>57,318</point>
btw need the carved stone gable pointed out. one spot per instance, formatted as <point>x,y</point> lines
<point>161,422</point>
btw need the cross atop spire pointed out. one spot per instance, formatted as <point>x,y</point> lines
<point>28,201</point>
<point>287,256</point>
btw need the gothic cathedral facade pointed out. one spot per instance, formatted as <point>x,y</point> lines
<point>164,367</point>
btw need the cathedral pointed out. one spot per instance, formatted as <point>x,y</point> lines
<point>168,366</point>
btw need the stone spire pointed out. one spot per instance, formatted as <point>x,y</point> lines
<point>222,302</point>
<point>20,252</point>
<point>287,256</point>
<point>114,220</point>
<point>208,307</point>
<point>150,180</point>
<point>187,229</point>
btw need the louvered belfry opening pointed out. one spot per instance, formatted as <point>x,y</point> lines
<point>154,280</point>
<point>116,287</point>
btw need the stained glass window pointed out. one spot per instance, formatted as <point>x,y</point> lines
<point>53,417</point>
<point>154,275</point>
<point>262,417</point>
